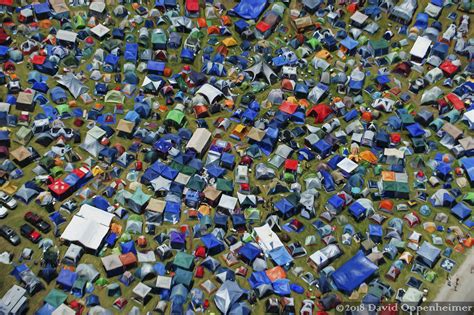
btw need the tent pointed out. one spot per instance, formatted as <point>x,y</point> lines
<point>353,273</point>
<point>250,10</point>
<point>227,295</point>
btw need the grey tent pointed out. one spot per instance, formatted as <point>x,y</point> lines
<point>263,70</point>
<point>73,255</point>
<point>428,254</point>
<point>73,84</point>
<point>227,295</point>
<point>210,93</point>
<point>87,272</point>
<point>262,172</point>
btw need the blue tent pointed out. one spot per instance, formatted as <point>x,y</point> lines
<point>375,232</point>
<point>353,273</point>
<point>357,211</point>
<point>16,272</point>
<point>468,165</point>
<point>421,21</point>
<point>335,203</point>
<point>92,300</point>
<point>328,181</point>
<point>213,245</point>
<point>58,95</point>
<point>172,212</point>
<point>415,130</point>
<point>128,247</point>
<point>131,52</point>
<point>350,44</point>
<point>248,253</point>
<point>440,49</point>
<point>66,279</point>
<point>257,278</point>
<point>250,9</point>
<point>461,211</point>
<point>220,220</point>
<point>281,287</point>
<point>322,148</point>
<point>46,309</point>
<point>285,208</point>
<point>155,67</point>
<point>215,171</point>
<point>187,55</point>
<point>280,256</point>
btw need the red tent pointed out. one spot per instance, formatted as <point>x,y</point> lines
<point>288,107</point>
<point>38,59</point>
<point>59,189</point>
<point>454,100</point>
<point>262,27</point>
<point>200,252</point>
<point>291,165</point>
<point>192,6</point>
<point>449,68</point>
<point>320,112</point>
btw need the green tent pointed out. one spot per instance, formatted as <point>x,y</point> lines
<point>79,22</point>
<point>114,96</point>
<point>184,261</point>
<point>224,185</point>
<point>57,171</point>
<point>196,183</point>
<point>431,276</point>
<point>63,109</point>
<point>102,282</point>
<point>469,198</point>
<point>24,135</point>
<point>183,276</point>
<point>55,298</point>
<point>175,118</point>
<point>252,214</point>
<point>314,43</point>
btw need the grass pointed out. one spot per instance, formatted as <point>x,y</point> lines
<point>15,218</point>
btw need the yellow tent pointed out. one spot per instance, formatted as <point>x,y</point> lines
<point>230,42</point>
<point>97,171</point>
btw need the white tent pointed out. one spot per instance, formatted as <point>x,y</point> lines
<point>420,49</point>
<point>210,92</point>
<point>88,227</point>
<point>266,238</point>
<point>63,309</point>
<point>200,140</point>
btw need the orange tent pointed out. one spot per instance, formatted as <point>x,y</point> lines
<point>368,156</point>
<point>468,242</point>
<point>276,273</point>
<point>386,205</point>
<point>388,176</point>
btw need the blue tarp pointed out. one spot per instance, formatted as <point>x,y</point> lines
<point>353,273</point>
<point>250,9</point>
